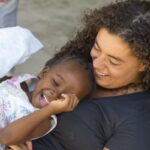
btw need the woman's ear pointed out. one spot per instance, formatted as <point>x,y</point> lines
<point>42,73</point>
<point>143,66</point>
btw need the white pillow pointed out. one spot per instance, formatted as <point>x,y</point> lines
<point>17,44</point>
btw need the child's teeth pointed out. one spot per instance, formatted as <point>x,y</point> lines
<point>45,98</point>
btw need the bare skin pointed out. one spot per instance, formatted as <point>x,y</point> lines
<point>103,149</point>
<point>37,123</point>
<point>115,65</point>
<point>29,147</point>
<point>61,78</point>
<point>25,146</point>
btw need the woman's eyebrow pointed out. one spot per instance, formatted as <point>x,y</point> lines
<point>114,57</point>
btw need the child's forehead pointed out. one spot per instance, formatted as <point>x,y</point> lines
<point>67,64</point>
<point>72,67</point>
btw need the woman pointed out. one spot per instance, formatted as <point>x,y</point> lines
<point>117,37</point>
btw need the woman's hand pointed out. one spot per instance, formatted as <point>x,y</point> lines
<point>105,148</point>
<point>25,146</point>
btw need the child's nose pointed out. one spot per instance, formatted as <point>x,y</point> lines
<point>52,95</point>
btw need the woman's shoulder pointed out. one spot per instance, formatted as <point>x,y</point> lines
<point>122,103</point>
<point>127,98</point>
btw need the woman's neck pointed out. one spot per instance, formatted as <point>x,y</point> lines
<point>101,92</point>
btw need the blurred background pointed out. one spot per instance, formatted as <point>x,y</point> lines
<point>53,22</point>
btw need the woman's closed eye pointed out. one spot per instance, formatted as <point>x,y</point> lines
<point>96,47</point>
<point>114,62</point>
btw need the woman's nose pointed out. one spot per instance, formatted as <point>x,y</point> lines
<point>99,62</point>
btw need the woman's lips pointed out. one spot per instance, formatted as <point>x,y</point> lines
<point>43,100</point>
<point>100,74</point>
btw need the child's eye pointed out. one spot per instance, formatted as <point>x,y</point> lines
<point>55,83</point>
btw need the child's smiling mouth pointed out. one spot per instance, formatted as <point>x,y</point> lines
<point>43,100</point>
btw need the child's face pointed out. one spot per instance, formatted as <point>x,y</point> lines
<point>65,77</point>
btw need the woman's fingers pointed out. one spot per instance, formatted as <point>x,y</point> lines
<point>14,147</point>
<point>25,146</point>
<point>28,145</point>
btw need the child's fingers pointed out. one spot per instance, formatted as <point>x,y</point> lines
<point>71,99</point>
<point>65,96</point>
<point>66,103</point>
<point>76,101</point>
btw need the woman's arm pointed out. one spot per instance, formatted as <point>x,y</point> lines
<point>25,146</point>
<point>35,124</point>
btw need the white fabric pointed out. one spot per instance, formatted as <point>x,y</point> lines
<point>17,44</point>
<point>53,120</point>
<point>14,103</point>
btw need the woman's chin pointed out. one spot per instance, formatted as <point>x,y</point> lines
<point>102,83</point>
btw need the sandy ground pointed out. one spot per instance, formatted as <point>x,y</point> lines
<point>53,22</point>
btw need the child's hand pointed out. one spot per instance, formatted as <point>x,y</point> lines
<point>66,103</point>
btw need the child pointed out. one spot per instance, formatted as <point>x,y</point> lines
<point>57,89</point>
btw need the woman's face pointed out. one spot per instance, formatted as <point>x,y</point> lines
<point>114,63</point>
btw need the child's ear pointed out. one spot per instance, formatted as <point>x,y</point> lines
<point>143,66</point>
<point>43,72</point>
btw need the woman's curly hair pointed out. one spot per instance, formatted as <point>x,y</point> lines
<point>128,19</point>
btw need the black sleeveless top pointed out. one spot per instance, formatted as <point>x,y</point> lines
<point>118,123</point>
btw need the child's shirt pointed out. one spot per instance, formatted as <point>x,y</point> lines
<point>14,102</point>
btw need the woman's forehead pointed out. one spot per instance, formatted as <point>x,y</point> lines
<point>112,44</point>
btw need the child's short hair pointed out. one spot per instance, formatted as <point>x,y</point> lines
<point>86,65</point>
